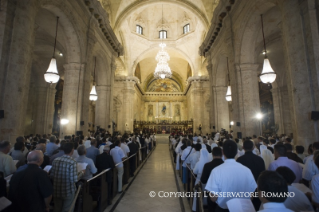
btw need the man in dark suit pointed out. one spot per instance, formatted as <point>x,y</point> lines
<point>105,161</point>
<point>134,147</point>
<point>30,187</point>
<point>291,155</point>
<point>255,163</point>
<point>209,149</point>
<point>208,167</point>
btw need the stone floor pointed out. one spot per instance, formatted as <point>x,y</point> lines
<point>156,175</point>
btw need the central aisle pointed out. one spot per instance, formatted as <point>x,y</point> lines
<point>156,175</point>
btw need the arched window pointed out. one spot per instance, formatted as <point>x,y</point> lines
<point>186,29</point>
<point>139,29</point>
<point>163,34</point>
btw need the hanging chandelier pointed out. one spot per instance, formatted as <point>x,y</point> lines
<point>52,75</point>
<point>93,94</point>
<point>162,69</point>
<point>267,75</point>
<point>228,93</point>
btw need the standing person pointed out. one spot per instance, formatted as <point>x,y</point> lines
<point>90,168</point>
<point>271,181</point>
<point>17,153</point>
<point>105,161</point>
<point>255,163</point>
<point>194,157</point>
<point>299,201</point>
<point>7,166</point>
<point>291,155</point>
<point>311,169</point>
<point>134,147</point>
<point>46,159</point>
<point>124,147</point>
<point>51,146</point>
<point>64,174</point>
<point>230,176</point>
<point>315,183</point>
<point>282,160</point>
<point>186,153</point>
<point>147,141</point>
<point>92,151</point>
<point>31,188</point>
<point>207,169</point>
<point>118,156</point>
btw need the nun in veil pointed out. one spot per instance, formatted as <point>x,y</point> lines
<point>268,157</point>
<point>178,153</point>
<point>198,169</point>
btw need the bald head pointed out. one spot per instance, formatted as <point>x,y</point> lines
<point>35,157</point>
<point>41,147</point>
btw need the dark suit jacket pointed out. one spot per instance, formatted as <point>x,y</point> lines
<point>133,148</point>
<point>46,161</point>
<point>294,157</point>
<point>255,163</point>
<point>105,161</point>
<point>209,149</point>
<point>208,167</point>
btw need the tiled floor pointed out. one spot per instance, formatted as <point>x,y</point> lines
<point>156,175</point>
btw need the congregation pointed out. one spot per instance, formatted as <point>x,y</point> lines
<point>223,165</point>
<point>33,189</point>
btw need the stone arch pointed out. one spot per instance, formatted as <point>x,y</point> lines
<point>73,44</point>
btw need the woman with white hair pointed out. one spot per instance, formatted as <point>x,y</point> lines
<point>268,157</point>
<point>198,170</point>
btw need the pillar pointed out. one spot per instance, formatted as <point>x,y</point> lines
<point>16,67</point>
<point>248,99</point>
<point>221,108</point>
<point>299,73</point>
<point>277,104</point>
<point>128,97</point>
<point>72,98</point>
<point>102,104</point>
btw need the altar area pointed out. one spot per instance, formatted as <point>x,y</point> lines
<point>166,126</point>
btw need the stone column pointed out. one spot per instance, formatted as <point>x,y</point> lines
<point>197,104</point>
<point>248,96</point>
<point>300,79</point>
<point>277,104</point>
<point>16,67</point>
<point>221,111</point>
<point>43,117</point>
<point>101,106</point>
<point>72,98</point>
<point>128,97</point>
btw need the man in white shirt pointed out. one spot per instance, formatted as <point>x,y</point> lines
<point>186,153</point>
<point>299,202</point>
<point>7,166</point>
<point>271,181</point>
<point>194,157</point>
<point>315,183</point>
<point>124,147</point>
<point>118,156</point>
<point>230,176</point>
<point>310,168</point>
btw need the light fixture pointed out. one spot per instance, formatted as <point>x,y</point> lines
<point>64,121</point>
<point>52,74</point>
<point>162,69</point>
<point>93,94</point>
<point>231,123</point>
<point>228,93</point>
<point>259,116</point>
<point>61,54</point>
<point>267,75</point>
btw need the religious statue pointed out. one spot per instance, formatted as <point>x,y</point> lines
<point>150,110</point>
<point>164,109</point>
